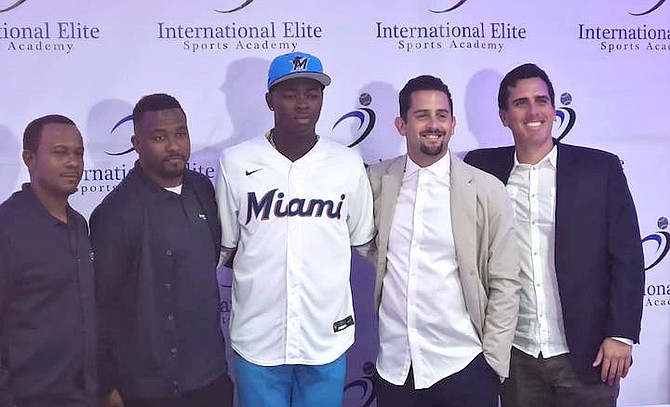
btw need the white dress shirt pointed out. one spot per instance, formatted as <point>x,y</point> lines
<point>423,321</point>
<point>532,189</point>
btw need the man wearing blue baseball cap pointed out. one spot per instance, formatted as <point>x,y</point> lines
<point>292,204</point>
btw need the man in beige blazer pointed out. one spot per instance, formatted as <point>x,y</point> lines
<point>447,265</point>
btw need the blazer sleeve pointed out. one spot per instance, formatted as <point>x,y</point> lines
<point>502,283</point>
<point>626,258</point>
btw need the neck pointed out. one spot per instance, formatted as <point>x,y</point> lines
<point>532,154</point>
<point>427,161</point>
<point>162,181</point>
<point>56,205</point>
<point>293,146</point>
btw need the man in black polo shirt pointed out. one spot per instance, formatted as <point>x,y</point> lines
<point>47,304</point>
<point>157,239</point>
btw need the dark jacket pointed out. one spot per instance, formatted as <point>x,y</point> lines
<point>598,253</point>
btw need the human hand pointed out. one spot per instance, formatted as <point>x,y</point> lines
<point>615,358</point>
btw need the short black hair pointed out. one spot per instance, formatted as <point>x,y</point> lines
<point>423,82</point>
<point>525,71</point>
<point>154,103</point>
<point>33,132</point>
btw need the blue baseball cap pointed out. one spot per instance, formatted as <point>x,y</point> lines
<point>296,65</point>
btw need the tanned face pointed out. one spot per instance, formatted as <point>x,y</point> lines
<point>428,127</point>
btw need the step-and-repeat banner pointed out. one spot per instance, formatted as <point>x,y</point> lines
<point>609,61</point>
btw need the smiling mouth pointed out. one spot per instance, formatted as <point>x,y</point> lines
<point>534,124</point>
<point>432,135</point>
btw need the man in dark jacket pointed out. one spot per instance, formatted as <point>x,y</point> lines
<point>582,268</point>
<point>157,239</point>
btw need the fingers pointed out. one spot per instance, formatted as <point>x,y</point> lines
<point>614,369</point>
<point>599,357</point>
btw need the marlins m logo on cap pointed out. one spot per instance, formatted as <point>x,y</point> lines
<point>296,65</point>
<point>299,63</point>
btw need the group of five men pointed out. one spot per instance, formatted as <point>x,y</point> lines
<point>515,272</point>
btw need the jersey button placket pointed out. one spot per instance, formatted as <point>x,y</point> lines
<point>295,190</point>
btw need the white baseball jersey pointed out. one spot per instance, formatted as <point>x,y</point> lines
<point>293,224</point>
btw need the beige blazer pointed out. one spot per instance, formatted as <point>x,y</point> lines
<point>486,249</point>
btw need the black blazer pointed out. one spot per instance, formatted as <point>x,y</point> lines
<point>598,255</point>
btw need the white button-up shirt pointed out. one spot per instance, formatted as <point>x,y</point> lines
<point>423,321</point>
<point>533,192</point>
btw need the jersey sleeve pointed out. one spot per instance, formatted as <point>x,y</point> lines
<point>228,209</point>
<point>360,217</point>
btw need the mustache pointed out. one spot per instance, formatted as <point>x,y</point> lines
<point>432,131</point>
<point>173,156</point>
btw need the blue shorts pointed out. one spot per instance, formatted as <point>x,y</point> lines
<point>289,385</point>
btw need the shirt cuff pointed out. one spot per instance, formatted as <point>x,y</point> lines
<point>627,341</point>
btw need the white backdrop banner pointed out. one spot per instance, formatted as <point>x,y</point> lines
<point>609,61</point>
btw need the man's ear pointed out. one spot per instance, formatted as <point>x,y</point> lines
<point>135,142</point>
<point>503,117</point>
<point>400,125</point>
<point>28,158</point>
<point>268,101</point>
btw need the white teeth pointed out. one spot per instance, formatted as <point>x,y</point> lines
<point>534,124</point>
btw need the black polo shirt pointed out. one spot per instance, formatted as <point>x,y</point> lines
<point>47,307</point>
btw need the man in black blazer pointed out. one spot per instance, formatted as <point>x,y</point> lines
<point>582,267</point>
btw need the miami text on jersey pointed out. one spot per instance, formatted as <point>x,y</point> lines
<point>294,207</point>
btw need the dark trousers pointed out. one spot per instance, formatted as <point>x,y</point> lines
<point>551,382</point>
<point>219,393</point>
<point>475,386</point>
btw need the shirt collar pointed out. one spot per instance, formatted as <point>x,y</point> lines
<point>152,187</point>
<point>440,168</point>
<point>39,208</point>
<point>550,158</point>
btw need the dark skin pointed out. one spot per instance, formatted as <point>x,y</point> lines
<point>297,105</point>
<point>56,167</point>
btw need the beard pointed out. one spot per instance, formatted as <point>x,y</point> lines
<point>433,149</point>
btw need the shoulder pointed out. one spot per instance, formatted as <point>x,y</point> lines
<point>243,150</point>
<point>586,152</point>
<point>382,167</point>
<point>197,179</point>
<point>11,204</point>
<point>12,211</point>
<point>335,150</point>
<point>482,179</point>
<point>585,160</point>
<point>489,153</point>
<point>122,201</point>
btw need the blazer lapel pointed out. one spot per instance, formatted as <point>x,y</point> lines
<point>391,182</point>
<point>567,176</point>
